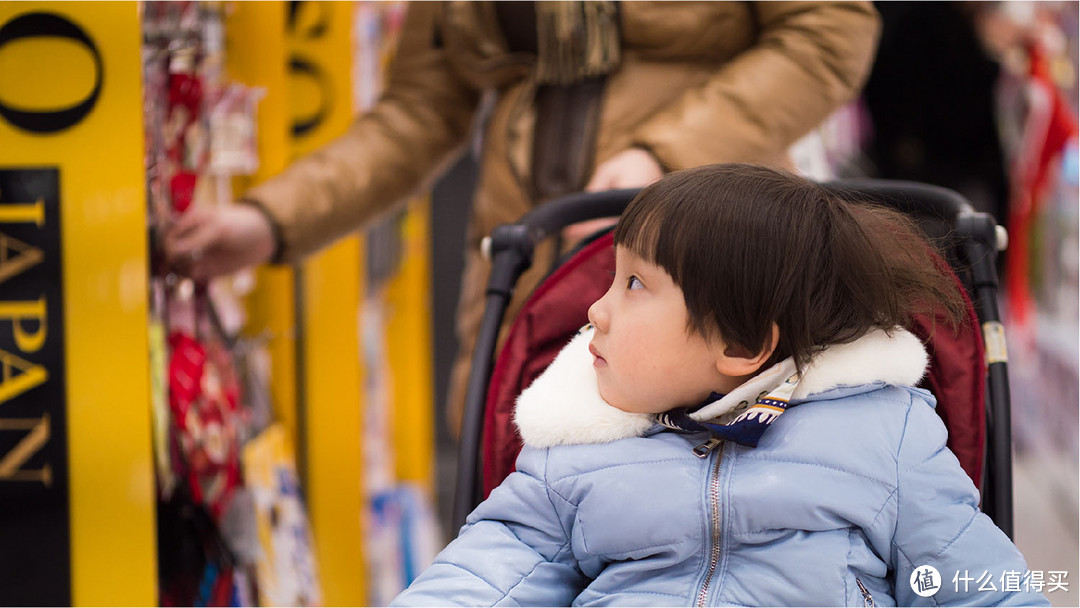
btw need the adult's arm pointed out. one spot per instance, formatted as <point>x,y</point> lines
<point>809,59</point>
<point>387,154</point>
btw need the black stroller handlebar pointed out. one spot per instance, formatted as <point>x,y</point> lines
<point>577,207</point>
<point>910,197</point>
<point>553,216</point>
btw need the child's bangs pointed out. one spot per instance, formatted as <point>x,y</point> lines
<point>659,225</point>
<point>640,227</point>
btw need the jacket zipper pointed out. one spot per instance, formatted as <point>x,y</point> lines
<point>702,451</point>
<point>868,600</point>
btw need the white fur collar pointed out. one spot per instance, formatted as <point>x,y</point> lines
<point>563,406</point>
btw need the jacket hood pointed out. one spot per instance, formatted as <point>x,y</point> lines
<point>563,406</point>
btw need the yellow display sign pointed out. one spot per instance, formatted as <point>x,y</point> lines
<point>74,394</point>
<point>408,347</point>
<point>320,52</point>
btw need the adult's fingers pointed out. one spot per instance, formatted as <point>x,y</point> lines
<point>601,180</point>
<point>576,232</point>
<point>191,221</point>
<point>202,267</point>
<point>190,234</point>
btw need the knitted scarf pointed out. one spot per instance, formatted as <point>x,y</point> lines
<point>576,40</point>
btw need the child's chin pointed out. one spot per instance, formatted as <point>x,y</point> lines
<point>629,408</point>
<point>607,398</point>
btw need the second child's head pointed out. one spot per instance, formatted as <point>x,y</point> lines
<point>723,270</point>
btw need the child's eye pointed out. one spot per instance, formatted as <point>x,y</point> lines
<point>634,283</point>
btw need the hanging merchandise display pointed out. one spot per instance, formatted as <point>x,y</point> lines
<point>195,400</point>
<point>287,572</point>
<point>1048,125</point>
<point>1038,96</point>
<point>210,402</point>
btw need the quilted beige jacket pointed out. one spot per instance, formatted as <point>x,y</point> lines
<point>699,82</point>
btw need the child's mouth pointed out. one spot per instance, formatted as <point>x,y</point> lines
<point>598,361</point>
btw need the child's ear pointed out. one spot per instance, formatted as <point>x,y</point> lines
<point>735,361</point>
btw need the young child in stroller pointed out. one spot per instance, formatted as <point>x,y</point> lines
<point>738,424</point>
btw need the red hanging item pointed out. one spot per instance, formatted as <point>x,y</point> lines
<point>1047,128</point>
<point>182,190</point>
<point>184,104</point>
<point>203,398</point>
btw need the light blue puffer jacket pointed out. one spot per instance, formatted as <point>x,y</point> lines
<point>843,498</point>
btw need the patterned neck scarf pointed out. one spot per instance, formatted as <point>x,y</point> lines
<point>744,414</point>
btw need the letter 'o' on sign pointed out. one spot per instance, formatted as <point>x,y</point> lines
<point>299,67</point>
<point>50,25</point>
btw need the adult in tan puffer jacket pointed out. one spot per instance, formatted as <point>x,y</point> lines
<point>690,83</point>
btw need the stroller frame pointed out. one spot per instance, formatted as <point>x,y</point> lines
<point>977,239</point>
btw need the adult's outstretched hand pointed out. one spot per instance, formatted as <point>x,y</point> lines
<point>209,242</point>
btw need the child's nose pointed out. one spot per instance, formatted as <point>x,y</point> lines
<point>598,316</point>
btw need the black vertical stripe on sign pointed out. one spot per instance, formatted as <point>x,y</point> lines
<point>35,534</point>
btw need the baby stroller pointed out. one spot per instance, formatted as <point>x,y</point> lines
<point>968,372</point>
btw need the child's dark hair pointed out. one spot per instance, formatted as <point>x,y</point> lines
<point>750,246</point>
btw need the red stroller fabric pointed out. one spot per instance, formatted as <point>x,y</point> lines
<point>559,307</point>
